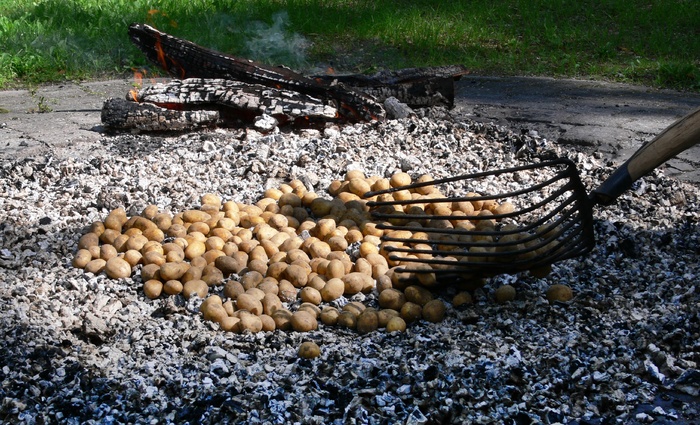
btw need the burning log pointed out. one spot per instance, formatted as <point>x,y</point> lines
<point>215,89</point>
<point>183,59</point>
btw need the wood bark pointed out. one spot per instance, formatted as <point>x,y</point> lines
<point>416,87</point>
<point>184,59</point>
<point>221,102</point>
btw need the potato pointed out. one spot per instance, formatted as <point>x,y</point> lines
<point>315,281</point>
<point>270,304</point>
<point>392,299</point>
<point>227,265</point>
<point>384,315</point>
<point>283,319</point>
<point>309,350</point>
<point>462,298</point>
<point>296,275</point>
<point>109,236</point>
<point>229,307</point>
<point>233,289</point>
<point>410,312</point>
<point>195,287</point>
<point>329,316</point>
<point>246,301</point>
<point>230,324</point>
<point>81,258</point>
<point>434,311</point>
<point>117,268</point>
<point>268,323</point>
<point>357,282</point>
<point>88,240</point>
<point>97,227</point>
<point>400,179</point>
<point>354,307</point>
<point>335,269</point>
<point>173,271</point>
<point>173,287</point>
<point>195,249</point>
<point>194,216</point>
<point>396,324</point>
<point>347,319</point>
<point>337,243</point>
<point>310,295</point>
<point>303,321</point>
<point>367,322</point>
<point>120,242</point>
<point>251,279</point>
<point>249,322</point>
<point>287,291</point>
<point>383,282</point>
<point>559,292</point>
<point>176,231</point>
<point>269,286</point>
<point>332,290</point>
<point>116,219</point>
<point>153,288</point>
<point>418,294</point>
<point>211,275</point>
<point>211,199</point>
<point>504,294</point>
<point>311,308</point>
<point>95,266</point>
<point>133,257</point>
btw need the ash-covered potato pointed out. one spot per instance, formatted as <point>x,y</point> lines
<point>81,258</point>
<point>367,321</point>
<point>396,324</point>
<point>196,287</point>
<point>504,294</point>
<point>303,321</point>
<point>434,310</point>
<point>392,299</point>
<point>559,292</point>
<point>329,316</point>
<point>309,350</point>
<point>153,288</point>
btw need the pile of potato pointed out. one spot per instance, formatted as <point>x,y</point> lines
<point>291,245</point>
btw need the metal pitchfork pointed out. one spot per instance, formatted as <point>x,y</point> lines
<point>543,215</point>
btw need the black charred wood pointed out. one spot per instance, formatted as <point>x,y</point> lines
<point>184,59</point>
<point>416,87</point>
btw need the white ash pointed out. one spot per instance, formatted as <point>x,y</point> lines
<point>79,348</point>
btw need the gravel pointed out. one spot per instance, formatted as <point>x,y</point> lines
<point>82,348</point>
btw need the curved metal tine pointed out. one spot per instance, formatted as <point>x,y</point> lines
<point>525,228</point>
<point>561,175</point>
<point>570,167</point>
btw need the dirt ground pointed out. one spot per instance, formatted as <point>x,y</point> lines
<point>612,118</point>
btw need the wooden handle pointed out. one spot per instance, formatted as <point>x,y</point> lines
<point>679,136</point>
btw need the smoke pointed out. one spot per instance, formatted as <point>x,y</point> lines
<point>274,43</point>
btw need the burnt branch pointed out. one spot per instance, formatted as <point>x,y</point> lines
<point>184,59</point>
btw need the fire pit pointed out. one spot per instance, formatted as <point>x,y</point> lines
<point>81,346</point>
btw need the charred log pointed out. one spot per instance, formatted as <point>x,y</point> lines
<point>122,114</point>
<point>184,59</point>
<point>416,87</point>
<point>224,103</point>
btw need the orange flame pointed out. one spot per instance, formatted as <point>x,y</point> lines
<point>138,83</point>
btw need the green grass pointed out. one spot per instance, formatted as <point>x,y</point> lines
<point>652,42</point>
